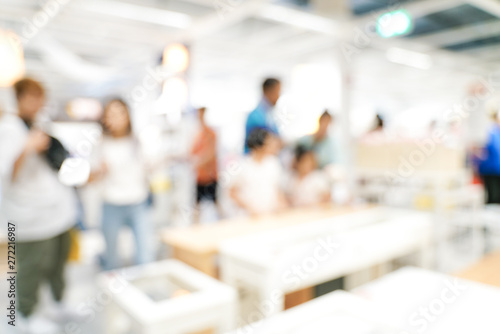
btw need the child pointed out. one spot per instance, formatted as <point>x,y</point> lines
<point>257,187</point>
<point>309,186</point>
<point>125,187</point>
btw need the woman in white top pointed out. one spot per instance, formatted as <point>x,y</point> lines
<point>125,187</point>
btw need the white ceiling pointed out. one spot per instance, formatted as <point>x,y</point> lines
<point>103,47</point>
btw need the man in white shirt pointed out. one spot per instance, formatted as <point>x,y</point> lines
<point>33,199</point>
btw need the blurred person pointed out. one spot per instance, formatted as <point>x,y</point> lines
<point>262,116</point>
<point>379,124</point>
<point>489,162</point>
<point>257,188</point>
<point>431,129</point>
<point>455,135</point>
<point>309,186</point>
<point>321,143</point>
<point>204,152</point>
<point>125,188</point>
<point>376,134</point>
<point>42,209</point>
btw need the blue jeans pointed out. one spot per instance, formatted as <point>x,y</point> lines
<point>135,216</point>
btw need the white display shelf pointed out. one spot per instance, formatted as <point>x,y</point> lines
<point>422,301</point>
<point>274,263</point>
<point>147,296</point>
<point>448,194</point>
<point>336,312</point>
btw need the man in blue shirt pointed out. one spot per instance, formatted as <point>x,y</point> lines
<point>489,165</point>
<point>261,117</point>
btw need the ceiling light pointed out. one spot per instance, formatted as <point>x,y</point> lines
<point>409,58</point>
<point>394,23</point>
<point>176,58</point>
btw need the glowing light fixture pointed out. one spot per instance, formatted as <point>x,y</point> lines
<point>394,23</point>
<point>410,58</point>
<point>176,58</point>
<point>11,58</point>
<point>84,109</point>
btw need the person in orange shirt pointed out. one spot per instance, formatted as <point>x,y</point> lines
<point>204,152</point>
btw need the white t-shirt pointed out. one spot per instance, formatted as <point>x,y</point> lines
<point>36,201</point>
<point>309,190</point>
<point>259,183</point>
<point>125,182</point>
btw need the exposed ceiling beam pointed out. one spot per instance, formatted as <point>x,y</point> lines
<point>462,34</point>
<point>336,9</point>
<point>485,53</point>
<point>205,3</point>
<point>490,6</point>
<point>235,48</point>
<point>137,13</point>
<point>426,7</point>
<point>416,9</point>
<point>298,18</point>
<point>455,61</point>
<point>344,33</point>
<point>88,37</point>
<point>224,18</point>
<point>221,18</point>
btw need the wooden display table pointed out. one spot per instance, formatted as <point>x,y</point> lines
<point>486,271</point>
<point>198,245</point>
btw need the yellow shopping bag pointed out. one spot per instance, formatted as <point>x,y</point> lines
<point>74,250</point>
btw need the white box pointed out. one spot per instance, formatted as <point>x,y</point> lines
<point>142,294</point>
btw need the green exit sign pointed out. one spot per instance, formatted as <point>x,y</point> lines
<point>396,23</point>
